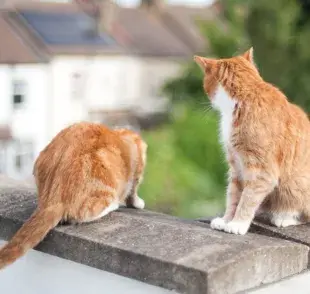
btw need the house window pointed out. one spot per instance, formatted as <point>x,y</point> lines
<point>78,83</point>
<point>19,92</point>
<point>18,162</point>
<point>23,156</point>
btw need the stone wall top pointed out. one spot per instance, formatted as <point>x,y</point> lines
<point>181,255</point>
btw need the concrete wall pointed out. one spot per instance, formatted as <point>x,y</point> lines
<point>38,272</point>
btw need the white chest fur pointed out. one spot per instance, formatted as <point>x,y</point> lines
<point>225,105</point>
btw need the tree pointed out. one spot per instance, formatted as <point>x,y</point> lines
<point>280,33</point>
<point>186,164</point>
<point>226,36</point>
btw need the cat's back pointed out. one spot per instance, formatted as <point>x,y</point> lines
<point>286,113</point>
<point>71,146</point>
<point>83,137</point>
<point>84,134</point>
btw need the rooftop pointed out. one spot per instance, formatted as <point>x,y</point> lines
<point>36,31</point>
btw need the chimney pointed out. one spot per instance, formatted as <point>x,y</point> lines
<point>103,13</point>
<point>108,11</point>
<point>152,5</point>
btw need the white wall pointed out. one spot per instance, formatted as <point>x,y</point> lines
<point>107,82</point>
<point>53,101</point>
<point>111,82</point>
<point>28,120</point>
<point>154,74</point>
<point>38,273</point>
<point>5,90</point>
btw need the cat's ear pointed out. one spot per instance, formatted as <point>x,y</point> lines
<point>204,63</point>
<point>249,56</point>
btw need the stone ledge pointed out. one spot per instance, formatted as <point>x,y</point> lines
<point>261,225</point>
<point>185,256</point>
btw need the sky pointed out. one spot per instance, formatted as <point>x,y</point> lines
<point>189,2</point>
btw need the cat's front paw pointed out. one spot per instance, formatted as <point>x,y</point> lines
<point>238,228</point>
<point>218,224</point>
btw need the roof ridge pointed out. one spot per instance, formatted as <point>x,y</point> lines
<point>158,41</point>
<point>34,43</point>
<point>172,24</point>
<point>45,6</point>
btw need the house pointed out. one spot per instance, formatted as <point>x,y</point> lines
<point>55,69</point>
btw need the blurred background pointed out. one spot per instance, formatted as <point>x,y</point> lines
<point>129,63</point>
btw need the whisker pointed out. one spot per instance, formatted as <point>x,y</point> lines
<point>206,109</point>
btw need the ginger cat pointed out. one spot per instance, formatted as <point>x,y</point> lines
<point>84,173</point>
<point>267,143</point>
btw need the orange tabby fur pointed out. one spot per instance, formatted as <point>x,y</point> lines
<point>267,142</point>
<point>84,173</point>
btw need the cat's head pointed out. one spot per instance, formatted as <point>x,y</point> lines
<point>226,71</point>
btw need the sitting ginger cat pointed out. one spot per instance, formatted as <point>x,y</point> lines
<point>83,174</point>
<point>267,143</point>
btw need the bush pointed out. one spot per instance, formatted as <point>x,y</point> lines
<point>185,173</point>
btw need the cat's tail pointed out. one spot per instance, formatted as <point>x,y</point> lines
<point>31,233</point>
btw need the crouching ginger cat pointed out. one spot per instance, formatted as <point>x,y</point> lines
<point>85,172</point>
<point>267,142</point>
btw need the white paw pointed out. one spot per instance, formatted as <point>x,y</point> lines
<point>238,228</point>
<point>138,203</point>
<point>218,224</point>
<point>284,220</point>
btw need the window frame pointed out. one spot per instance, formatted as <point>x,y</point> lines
<point>19,89</point>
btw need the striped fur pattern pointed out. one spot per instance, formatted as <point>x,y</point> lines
<point>267,144</point>
<point>85,172</point>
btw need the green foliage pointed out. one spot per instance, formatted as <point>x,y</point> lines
<point>186,170</point>
<point>185,173</point>
<point>226,36</point>
<point>187,87</point>
<point>280,33</point>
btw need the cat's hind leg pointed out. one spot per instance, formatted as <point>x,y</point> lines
<point>113,206</point>
<point>288,206</point>
<point>96,206</point>
<point>135,201</point>
<point>285,219</point>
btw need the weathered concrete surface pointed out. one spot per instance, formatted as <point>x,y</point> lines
<point>184,256</point>
<point>261,225</point>
<point>299,234</point>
